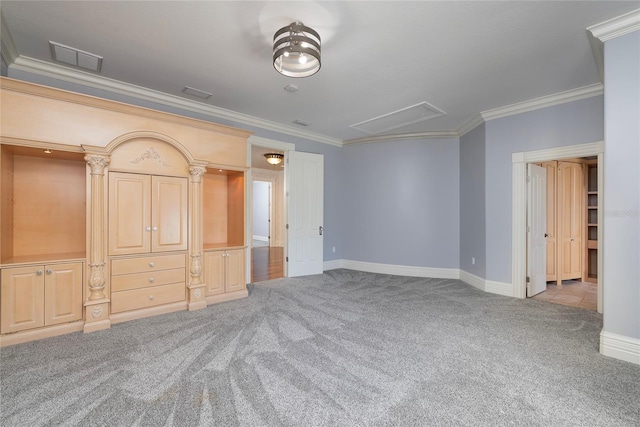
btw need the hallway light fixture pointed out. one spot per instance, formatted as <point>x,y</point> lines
<point>274,158</point>
<point>296,50</point>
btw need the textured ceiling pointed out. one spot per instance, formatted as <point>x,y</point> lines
<point>377,57</point>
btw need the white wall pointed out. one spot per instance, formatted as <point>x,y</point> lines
<point>261,209</point>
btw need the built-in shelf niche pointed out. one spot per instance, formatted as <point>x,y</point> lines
<point>592,219</point>
<point>223,209</point>
<point>43,207</point>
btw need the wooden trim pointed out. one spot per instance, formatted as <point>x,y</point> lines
<point>104,104</point>
<point>36,334</point>
<point>148,312</point>
<point>229,296</point>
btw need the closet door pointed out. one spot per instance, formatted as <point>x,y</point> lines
<point>552,254</point>
<point>129,213</point>
<point>570,219</point>
<point>169,214</point>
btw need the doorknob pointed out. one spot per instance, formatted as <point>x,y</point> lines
<point>546,235</point>
<point>321,230</point>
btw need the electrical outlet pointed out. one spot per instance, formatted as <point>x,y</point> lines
<point>473,260</point>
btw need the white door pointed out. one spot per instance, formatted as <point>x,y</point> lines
<point>305,212</point>
<point>536,226</point>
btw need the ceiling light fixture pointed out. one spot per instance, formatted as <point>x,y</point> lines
<point>274,158</point>
<point>296,50</point>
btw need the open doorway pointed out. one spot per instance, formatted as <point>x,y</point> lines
<point>569,234</point>
<point>268,233</point>
<point>521,265</point>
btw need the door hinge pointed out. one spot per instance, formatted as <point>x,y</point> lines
<point>287,227</point>
<point>287,259</point>
<point>528,279</point>
<point>528,229</point>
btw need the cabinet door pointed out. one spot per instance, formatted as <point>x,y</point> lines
<point>570,219</point>
<point>214,272</point>
<point>129,213</point>
<point>235,271</point>
<point>169,214</point>
<point>22,298</point>
<point>62,293</point>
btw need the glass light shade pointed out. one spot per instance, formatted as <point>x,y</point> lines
<point>296,50</point>
<point>274,158</point>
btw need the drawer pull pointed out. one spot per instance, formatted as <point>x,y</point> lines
<point>151,297</point>
<point>154,228</point>
<point>147,228</point>
<point>151,264</point>
<point>39,272</point>
<point>49,271</point>
<point>151,279</point>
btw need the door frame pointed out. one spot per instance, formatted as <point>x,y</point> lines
<point>285,147</point>
<point>519,208</point>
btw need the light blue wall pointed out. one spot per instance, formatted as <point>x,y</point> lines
<point>622,186</point>
<point>333,160</point>
<point>472,202</point>
<point>578,122</point>
<point>261,208</point>
<point>402,203</point>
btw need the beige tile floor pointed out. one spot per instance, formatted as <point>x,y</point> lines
<point>573,293</point>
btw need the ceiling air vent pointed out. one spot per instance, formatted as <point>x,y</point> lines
<point>301,122</point>
<point>76,57</point>
<point>400,118</point>
<point>196,92</point>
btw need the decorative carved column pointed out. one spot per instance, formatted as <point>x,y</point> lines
<point>196,286</point>
<point>96,306</point>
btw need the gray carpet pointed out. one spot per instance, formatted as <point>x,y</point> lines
<point>344,348</point>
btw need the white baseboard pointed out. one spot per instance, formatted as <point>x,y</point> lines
<point>620,347</point>
<point>398,270</point>
<point>333,264</point>
<point>499,288</point>
<point>261,238</point>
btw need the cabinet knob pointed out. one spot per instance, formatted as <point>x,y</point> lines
<point>38,272</point>
<point>49,271</point>
<point>147,228</point>
<point>155,228</point>
<point>151,279</point>
<point>150,297</point>
<point>151,264</point>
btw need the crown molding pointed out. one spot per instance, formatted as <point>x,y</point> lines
<point>7,46</point>
<point>616,27</point>
<point>470,125</point>
<point>402,136</point>
<point>544,101</point>
<point>57,72</point>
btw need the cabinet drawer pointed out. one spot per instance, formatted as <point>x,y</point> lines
<point>147,297</point>
<point>141,264</point>
<point>127,282</point>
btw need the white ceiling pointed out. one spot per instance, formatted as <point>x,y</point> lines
<point>377,57</point>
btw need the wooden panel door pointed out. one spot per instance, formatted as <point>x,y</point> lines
<point>235,271</point>
<point>552,254</point>
<point>214,276</point>
<point>570,220</point>
<point>129,213</point>
<point>62,293</point>
<point>169,214</point>
<point>22,295</point>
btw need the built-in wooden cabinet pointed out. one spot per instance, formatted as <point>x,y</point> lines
<point>107,210</point>
<point>34,296</point>
<point>224,271</point>
<point>144,282</point>
<point>591,252</point>
<point>147,213</point>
